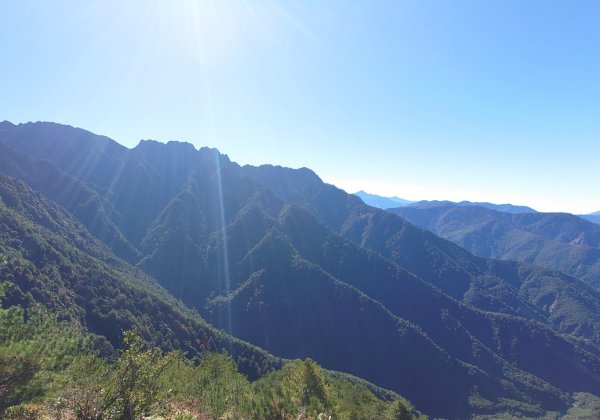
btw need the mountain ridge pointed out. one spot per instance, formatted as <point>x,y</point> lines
<point>507,208</point>
<point>558,241</point>
<point>385,203</point>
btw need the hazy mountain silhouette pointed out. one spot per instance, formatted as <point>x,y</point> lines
<point>381,202</point>
<point>592,217</point>
<point>507,208</point>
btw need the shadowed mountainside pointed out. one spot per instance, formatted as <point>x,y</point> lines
<point>500,286</point>
<point>51,259</point>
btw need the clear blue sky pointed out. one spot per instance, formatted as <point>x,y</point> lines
<point>476,100</point>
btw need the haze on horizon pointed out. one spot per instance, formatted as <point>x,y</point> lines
<point>479,101</point>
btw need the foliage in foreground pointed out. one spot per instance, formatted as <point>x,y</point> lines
<point>50,369</point>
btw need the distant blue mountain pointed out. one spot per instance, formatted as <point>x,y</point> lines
<point>393,202</point>
<point>382,202</point>
<point>592,217</point>
<point>506,208</point>
<point>557,241</point>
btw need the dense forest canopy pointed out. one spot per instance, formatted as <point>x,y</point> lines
<point>51,369</point>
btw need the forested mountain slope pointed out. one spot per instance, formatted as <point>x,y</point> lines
<point>508,287</point>
<point>51,369</point>
<point>51,259</point>
<point>557,241</point>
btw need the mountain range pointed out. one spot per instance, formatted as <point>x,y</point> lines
<point>557,241</point>
<point>506,208</point>
<point>394,202</point>
<point>185,242</point>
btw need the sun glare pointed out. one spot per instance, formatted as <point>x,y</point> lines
<point>210,31</point>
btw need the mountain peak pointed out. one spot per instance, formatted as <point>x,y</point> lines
<point>171,144</point>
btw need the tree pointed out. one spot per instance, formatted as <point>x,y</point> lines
<point>301,389</point>
<point>16,374</point>
<point>400,411</point>
<point>221,388</point>
<point>135,388</point>
<point>88,376</point>
<point>18,364</point>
